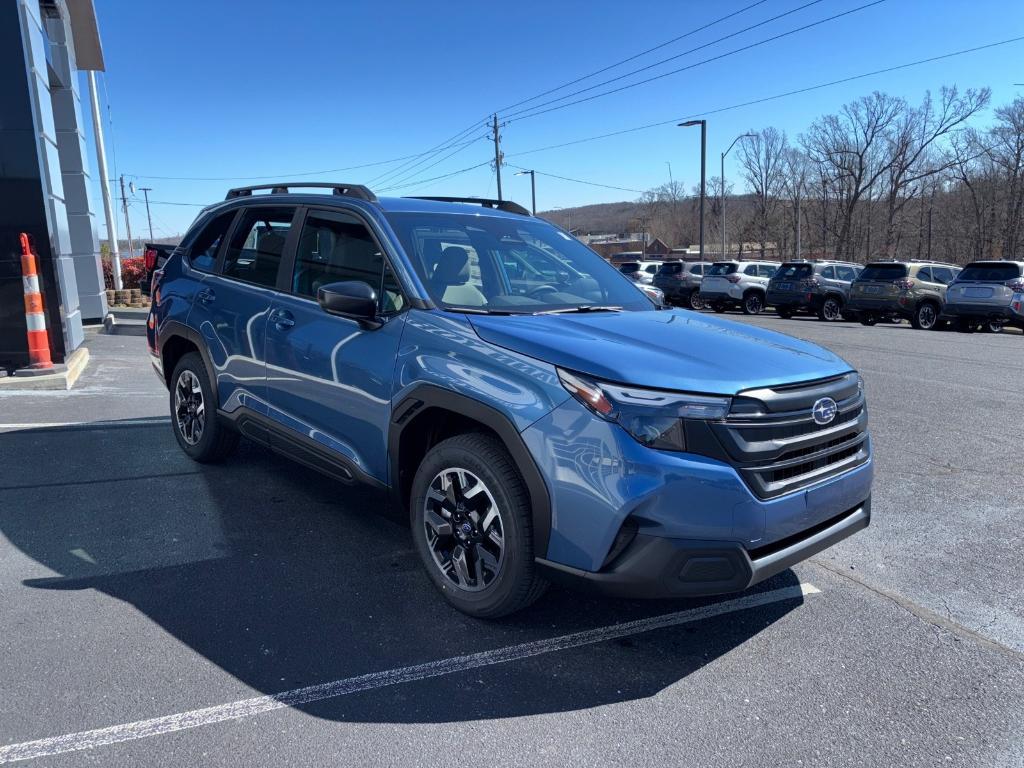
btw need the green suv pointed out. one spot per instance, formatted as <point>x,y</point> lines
<point>912,290</point>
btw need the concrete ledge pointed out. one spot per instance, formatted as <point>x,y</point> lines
<point>117,326</point>
<point>64,377</point>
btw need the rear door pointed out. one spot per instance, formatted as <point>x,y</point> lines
<point>230,310</point>
<point>330,378</point>
<point>878,281</point>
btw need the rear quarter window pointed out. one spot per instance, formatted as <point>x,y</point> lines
<point>202,253</point>
<point>670,269</point>
<point>794,271</point>
<point>722,269</point>
<point>629,266</point>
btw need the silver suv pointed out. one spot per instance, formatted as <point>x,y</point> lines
<point>818,287</point>
<point>641,271</point>
<point>989,294</point>
<point>680,282</point>
<point>742,284</point>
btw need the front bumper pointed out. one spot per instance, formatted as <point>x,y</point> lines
<point>658,567</point>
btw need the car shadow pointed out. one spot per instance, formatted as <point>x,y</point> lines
<point>285,579</point>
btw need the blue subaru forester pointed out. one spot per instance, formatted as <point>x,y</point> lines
<point>538,417</point>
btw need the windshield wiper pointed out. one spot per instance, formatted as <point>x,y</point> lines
<point>480,311</point>
<point>581,308</point>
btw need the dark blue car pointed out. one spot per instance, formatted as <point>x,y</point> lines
<point>536,415</point>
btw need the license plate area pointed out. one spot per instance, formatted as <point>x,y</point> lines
<point>872,289</point>
<point>978,292</point>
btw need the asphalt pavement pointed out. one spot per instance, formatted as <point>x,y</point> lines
<point>158,612</point>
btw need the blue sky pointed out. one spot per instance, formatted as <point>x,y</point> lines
<point>219,89</point>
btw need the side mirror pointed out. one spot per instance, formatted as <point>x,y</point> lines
<point>353,299</point>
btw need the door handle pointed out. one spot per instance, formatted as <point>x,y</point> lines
<point>282,319</point>
<point>206,296</point>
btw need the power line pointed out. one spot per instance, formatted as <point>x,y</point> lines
<point>437,178</point>
<point>700,63</point>
<point>407,176</point>
<point>773,97</point>
<point>670,58</point>
<point>635,56</point>
<point>578,181</point>
<point>444,146</point>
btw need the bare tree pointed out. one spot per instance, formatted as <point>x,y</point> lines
<point>762,158</point>
<point>853,146</point>
<point>796,173</point>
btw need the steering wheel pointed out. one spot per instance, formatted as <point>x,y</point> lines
<point>541,289</point>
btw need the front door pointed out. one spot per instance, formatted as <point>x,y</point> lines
<point>330,379</point>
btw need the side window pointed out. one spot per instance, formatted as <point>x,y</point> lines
<point>751,269</point>
<point>254,253</point>
<point>829,273</point>
<point>337,247</point>
<point>768,270</point>
<point>942,275</point>
<point>846,273</point>
<point>697,269</point>
<point>203,253</point>
<point>925,273</point>
<point>651,269</point>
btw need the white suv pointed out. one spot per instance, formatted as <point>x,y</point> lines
<point>743,284</point>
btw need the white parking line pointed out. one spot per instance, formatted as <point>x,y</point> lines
<point>195,718</point>
<point>91,424</point>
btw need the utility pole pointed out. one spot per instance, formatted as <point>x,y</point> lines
<point>149,219</point>
<point>101,161</point>
<point>703,167</point>
<point>127,221</point>
<point>497,154</point>
<point>722,212</point>
<point>798,226</point>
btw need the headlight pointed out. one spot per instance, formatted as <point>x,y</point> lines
<point>653,417</point>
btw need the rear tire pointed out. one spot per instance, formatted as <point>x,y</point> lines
<point>477,549</point>
<point>194,420</point>
<point>868,319</point>
<point>993,326</point>
<point>695,301</point>
<point>753,303</point>
<point>718,307</point>
<point>964,325</point>
<point>784,312</point>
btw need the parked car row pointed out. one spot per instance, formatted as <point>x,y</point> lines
<point>984,295</point>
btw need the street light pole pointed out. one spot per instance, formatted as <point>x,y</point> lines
<point>703,164</point>
<point>722,211</point>
<point>533,189</point>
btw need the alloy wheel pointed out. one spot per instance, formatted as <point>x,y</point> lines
<point>696,302</point>
<point>753,304</point>
<point>926,316</point>
<point>464,529</point>
<point>189,408</point>
<point>831,310</point>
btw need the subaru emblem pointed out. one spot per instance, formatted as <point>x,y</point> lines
<point>824,411</point>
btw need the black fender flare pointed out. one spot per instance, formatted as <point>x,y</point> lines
<point>176,329</point>
<point>424,396</point>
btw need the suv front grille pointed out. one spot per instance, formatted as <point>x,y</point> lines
<point>770,435</point>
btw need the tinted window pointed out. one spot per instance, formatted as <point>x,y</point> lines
<point>721,269</point>
<point>337,247</point>
<point>794,272</point>
<point>508,264</point>
<point>698,269</point>
<point>203,254</point>
<point>670,269</point>
<point>990,273</point>
<point>629,266</point>
<point>925,273</point>
<point>769,270</point>
<point>944,275</point>
<point>254,253</point>
<point>829,273</point>
<point>651,269</point>
<point>751,269</point>
<point>884,272</point>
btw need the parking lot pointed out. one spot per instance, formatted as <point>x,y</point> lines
<point>255,613</point>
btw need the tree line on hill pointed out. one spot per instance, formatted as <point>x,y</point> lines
<point>880,178</point>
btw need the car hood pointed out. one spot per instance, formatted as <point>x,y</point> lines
<point>670,349</point>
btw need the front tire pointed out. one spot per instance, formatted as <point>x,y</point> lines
<point>194,413</point>
<point>695,301</point>
<point>753,303</point>
<point>925,317</point>
<point>831,310</point>
<point>473,527</point>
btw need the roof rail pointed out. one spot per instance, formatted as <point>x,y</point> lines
<point>502,205</point>
<point>348,190</point>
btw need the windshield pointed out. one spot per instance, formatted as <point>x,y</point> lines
<point>989,273</point>
<point>722,269</point>
<point>794,272</point>
<point>883,272</point>
<point>509,265</point>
